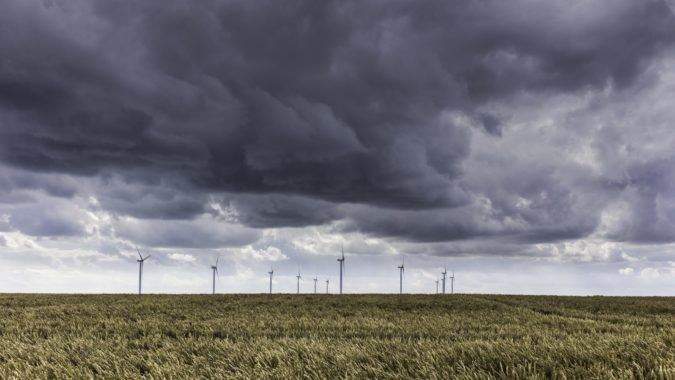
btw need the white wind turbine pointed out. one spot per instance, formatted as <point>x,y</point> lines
<point>140,261</point>
<point>342,266</point>
<point>315,281</point>
<point>271,273</point>
<point>436,286</point>
<point>298,277</point>
<point>401,269</point>
<point>327,282</point>
<point>214,268</point>
<point>452,283</point>
<point>444,273</point>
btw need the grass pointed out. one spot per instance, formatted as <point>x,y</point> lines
<point>331,337</point>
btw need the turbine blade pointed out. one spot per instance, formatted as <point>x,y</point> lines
<point>139,253</point>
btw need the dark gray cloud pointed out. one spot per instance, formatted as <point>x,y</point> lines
<point>151,197</point>
<point>274,210</point>
<point>47,222</point>
<point>647,198</point>
<point>311,112</point>
<point>200,233</point>
<point>54,185</point>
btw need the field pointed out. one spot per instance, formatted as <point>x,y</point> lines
<point>331,337</point>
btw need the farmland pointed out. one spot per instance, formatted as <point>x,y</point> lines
<point>328,336</point>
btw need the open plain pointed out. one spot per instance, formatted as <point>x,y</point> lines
<point>331,337</point>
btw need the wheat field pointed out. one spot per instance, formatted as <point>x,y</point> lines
<point>333,337</point>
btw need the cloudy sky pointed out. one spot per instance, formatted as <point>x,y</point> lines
<point>528,145</point>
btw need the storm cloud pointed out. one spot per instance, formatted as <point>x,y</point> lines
<point>528,121</point>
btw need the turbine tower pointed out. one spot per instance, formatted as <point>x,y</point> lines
<point>298,277</point>
<point>444,273</point>
<point>140,261</point>
<point>315,280</point>
<point>271,273</point>
<point>214,268</point>
<point>327,281</point>
<point>436,286</point>
<point>342,266</point>
<point>452,283</point>
<point>401,269</point>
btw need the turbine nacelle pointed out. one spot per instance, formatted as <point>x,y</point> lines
<point>140,257</point>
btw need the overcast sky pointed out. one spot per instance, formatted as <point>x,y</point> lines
<point>528,145</point>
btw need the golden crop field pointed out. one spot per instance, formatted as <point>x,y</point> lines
<point>333,337</point>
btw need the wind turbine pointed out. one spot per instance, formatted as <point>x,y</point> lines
<point>271,273</point>
<point>342,266</point>
<point>445,272</point>
<point>436,286</point>
<point>298,277</point>
<point>315,280</point>
<point>401,269</point>
<point>452,283</point>
<point>140,261</point>
<point>327,281</point>
<point>214,268</point>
